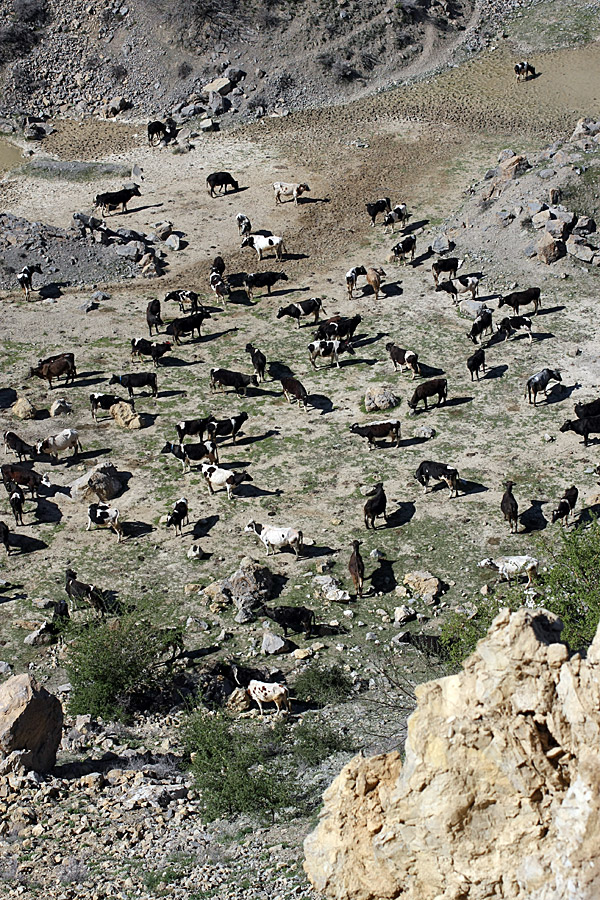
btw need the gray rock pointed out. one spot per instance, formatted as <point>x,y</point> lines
<point>272,644</point>
<point>580,250</point>
<point>250,585</point>
<point>208,125</point>
<point>5,668</point>
<point>441,244</point>
<point>174,242</point>
<point>61,407</point>
<point>244,615</point>
<point>530,250</point>
<point>380,396</point>
<point>424,431</point>
<point>535,206</point>
<point>505,154</point>
<point>547,173</point>
<point>99,297</point>
<point>504,217</point>
<point>584,225</point>
<point>471,308</point>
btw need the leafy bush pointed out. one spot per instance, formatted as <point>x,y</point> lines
<point>111,664</point>
<point>16,40</point>
<point>460,633</point>
<point>316,741</point>
<point>118,72</point>
<point>572,586</point>
<point>229,768</point>
<point>322,684</point>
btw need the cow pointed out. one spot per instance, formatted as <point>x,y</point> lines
<point>16,498</point>
<point>102,515</point>
<point>142,347</point>
<point>188,325</point>
<point>510,566</point>
<point>356,567</point>
<point>428,389</point>
<point>26,477</point>
<point>14,444</point>
<point>276,537</point>
<point>5,537</point>
<point>78,591</point>
<point>291,618</point>
<point>244,225</point>
<point>483,322</point>
<point>153,318</point>
<point>261,243</point>
<point>382,205</point>
<point>448,266</point>
<point>439,472</point>
<point>165,131</point>
<point>510,324</point>
<point>352,276</point>
<point>372,430</point>
<point>229,426</point>
<point>113,199</point>
<point>338,327</point>
<point>183,298</point>
<point>329,350</point>
<point>218,478</point>
<point>102,401</point>
<point>475,362</point>
<point>510,507</point>
<point>259,361</point>
<point>374,279</point>
<point>524,71</point>
<point>539,382</point>
<point>294,390</point>
<point>517,299</point>
<point>179,517</point>
<point>311,307</point>
<point>56,368</point>
<point>25,278</point>
<point>66,439</point>
<point>289,189</point>
<point>136,380</point>
<point>587,410</point>
<point>262,280</point>
<point>375,506</point>
<point>221,180</point>
<point>188,453</point>
<point>566,505</point>
<point>196,427</point>
<point>266,692</point>
<point>583,427</point>
<point>237,380</point>
<point>403,358</point>
<point>401,250</point>
<point>464,284</point>
<point>399,213</point>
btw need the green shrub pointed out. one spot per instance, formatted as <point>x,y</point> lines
<point>322,684</point>
<point>315,741</point>
<point>460,633</point>
<point>572,585</point>
<point>109,663</point>
<point>230,768</point>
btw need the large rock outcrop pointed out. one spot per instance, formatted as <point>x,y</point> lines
<point>31,721</point>
<point>499,794</point>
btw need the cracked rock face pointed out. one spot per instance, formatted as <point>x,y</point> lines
<point>499,794</point>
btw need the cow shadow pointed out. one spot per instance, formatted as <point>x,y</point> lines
<point>88,382</point>
<point>203,526</point>
<point>421,258</point>
<point>306,200</point>
<point>173,362</point>
<point>8,396</point>
<point>250,490</point>
<point>240,298</point>
<point>255,439</point>
<point>137,209</point>
<point>320,401</point>
<point>278,370</point>
<point>533,519</point>
<point>588,515</point>
<point>471,487</point>
<point>402,514</point>
<point>560,392</point>
<point>324,630</point>
<point>206,338</point>
<point>392,289</point>
<point>383,579</point>
<point>52,290</point>
<point>295,255</point>
<point>365,341</point>
<point>457,401</point>
<point>429,371</point>
<point>26,544</point>
<point>283,291</point>
<point>135,529</point>
<point>495,372</point>
<point>414,226</point>
<point>47,511</point>
<point>87,454</point>
<point>413,441</point>
<point>539,336</point>
<point>315,551</point>
<point>549,310</point>
<point>172,394</point>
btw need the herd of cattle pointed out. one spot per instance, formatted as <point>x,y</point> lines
<point>334,337</point>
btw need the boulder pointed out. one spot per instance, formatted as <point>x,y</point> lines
<point>217,601</point>
<point>506,154</point>
<point>125,417</point>
<point>103,483</point>
<point>584,225</point>
<point>498,794</point>
<point>238,700</point>
<point>329,587</point>
<point>218,86</point>
<point>535,206</point>
<point>540,218</point>
<point>441,244</point>
<point>31,721</point>
<point>163,230</point>
<point>423,584</point>
<point>61,407</point>
<point>513,167</point>
<point>556,228</point>
<point>471,308</point>
<point>235,75</point>
<point>173,242</point>
<point>548,249</point>
<point>580,250</point>
<point>207,125</point>
<point>404,614</point>
<point>273,644</point>
<point>424,431</point>
<point>504,217</point>
<point>23,409</point>
<point>250,585</point>
<point>217,104</point>
<point>380,396</point>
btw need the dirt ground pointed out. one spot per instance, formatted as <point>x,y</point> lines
<point>307,469</point>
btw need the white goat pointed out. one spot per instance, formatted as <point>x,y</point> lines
<point>275,537</point>
<point>510,566</point>
<point>289,189</point>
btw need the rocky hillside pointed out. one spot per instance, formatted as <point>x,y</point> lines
<point>498,793</point>
<point>159,55</point>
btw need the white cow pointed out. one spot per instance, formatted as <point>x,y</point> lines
<point>55,444</point>
<point>289,189</point>
<point>260,243</point>
<point>218,478</point>
<point>510,566</point>
<point>275,537</point>
<point>265,692</point>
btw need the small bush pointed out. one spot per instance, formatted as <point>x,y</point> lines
<point>344,71</point>
<point>322,684</point>
<point>32,12</point>
<point>184,70</point>
<point>16,41</point>
<point>111,664</point>
<point>460,633</point>
<point>316,741</point>
<point>118,72</point>
<point>229,769</point>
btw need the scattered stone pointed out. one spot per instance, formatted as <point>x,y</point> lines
<point>513,168</point>
<point>579,249</point>
<point>471,308</point>
<point>61,407</point>
<point>441,244</point>
<point>103,483</point>
<point>548,249</point>
<point>123,414</point>
<point>174,242</point>
<point>5,668</point>
<point>219,86</point>
<point>380,396</point>
<point>423,584</point>
<point>31,721</point>
<point>23,409</point>
<point>273,644</point>
<point>424,431</point>
<point>547,173</point>
<point>403,614</point>
<point>99,297</point>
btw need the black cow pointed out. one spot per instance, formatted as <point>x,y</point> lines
<point>187,325</point>
<point>221,180</point>
<point>198,427</point>
<point>136,380</point>
<point>25,278</point>
<point>566,505</point>
<point>437,386</point>
<point>179,517</point>
<point>102,401</point>
<point>375,505</point>
<point>17,446</point>
<point>188,453</point>
<point>583,427</point>
<point>475,362</point>
<point>16,498</point>
<point>259,361</point>
<point>262,280</point>
<point>230,426</point>
<point>237,380</point>
<point>587,410</point>
<point>383,205</point>
<point>439,472</point>
<point>374,430</point>
<point>142,347</point>
<point>292,618</point>
<point>153,315</point>
<point>510,507</point>
<point>313,306</point>
<point>294,390</point>
<point>113,199</point>
<point>521,298</point>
